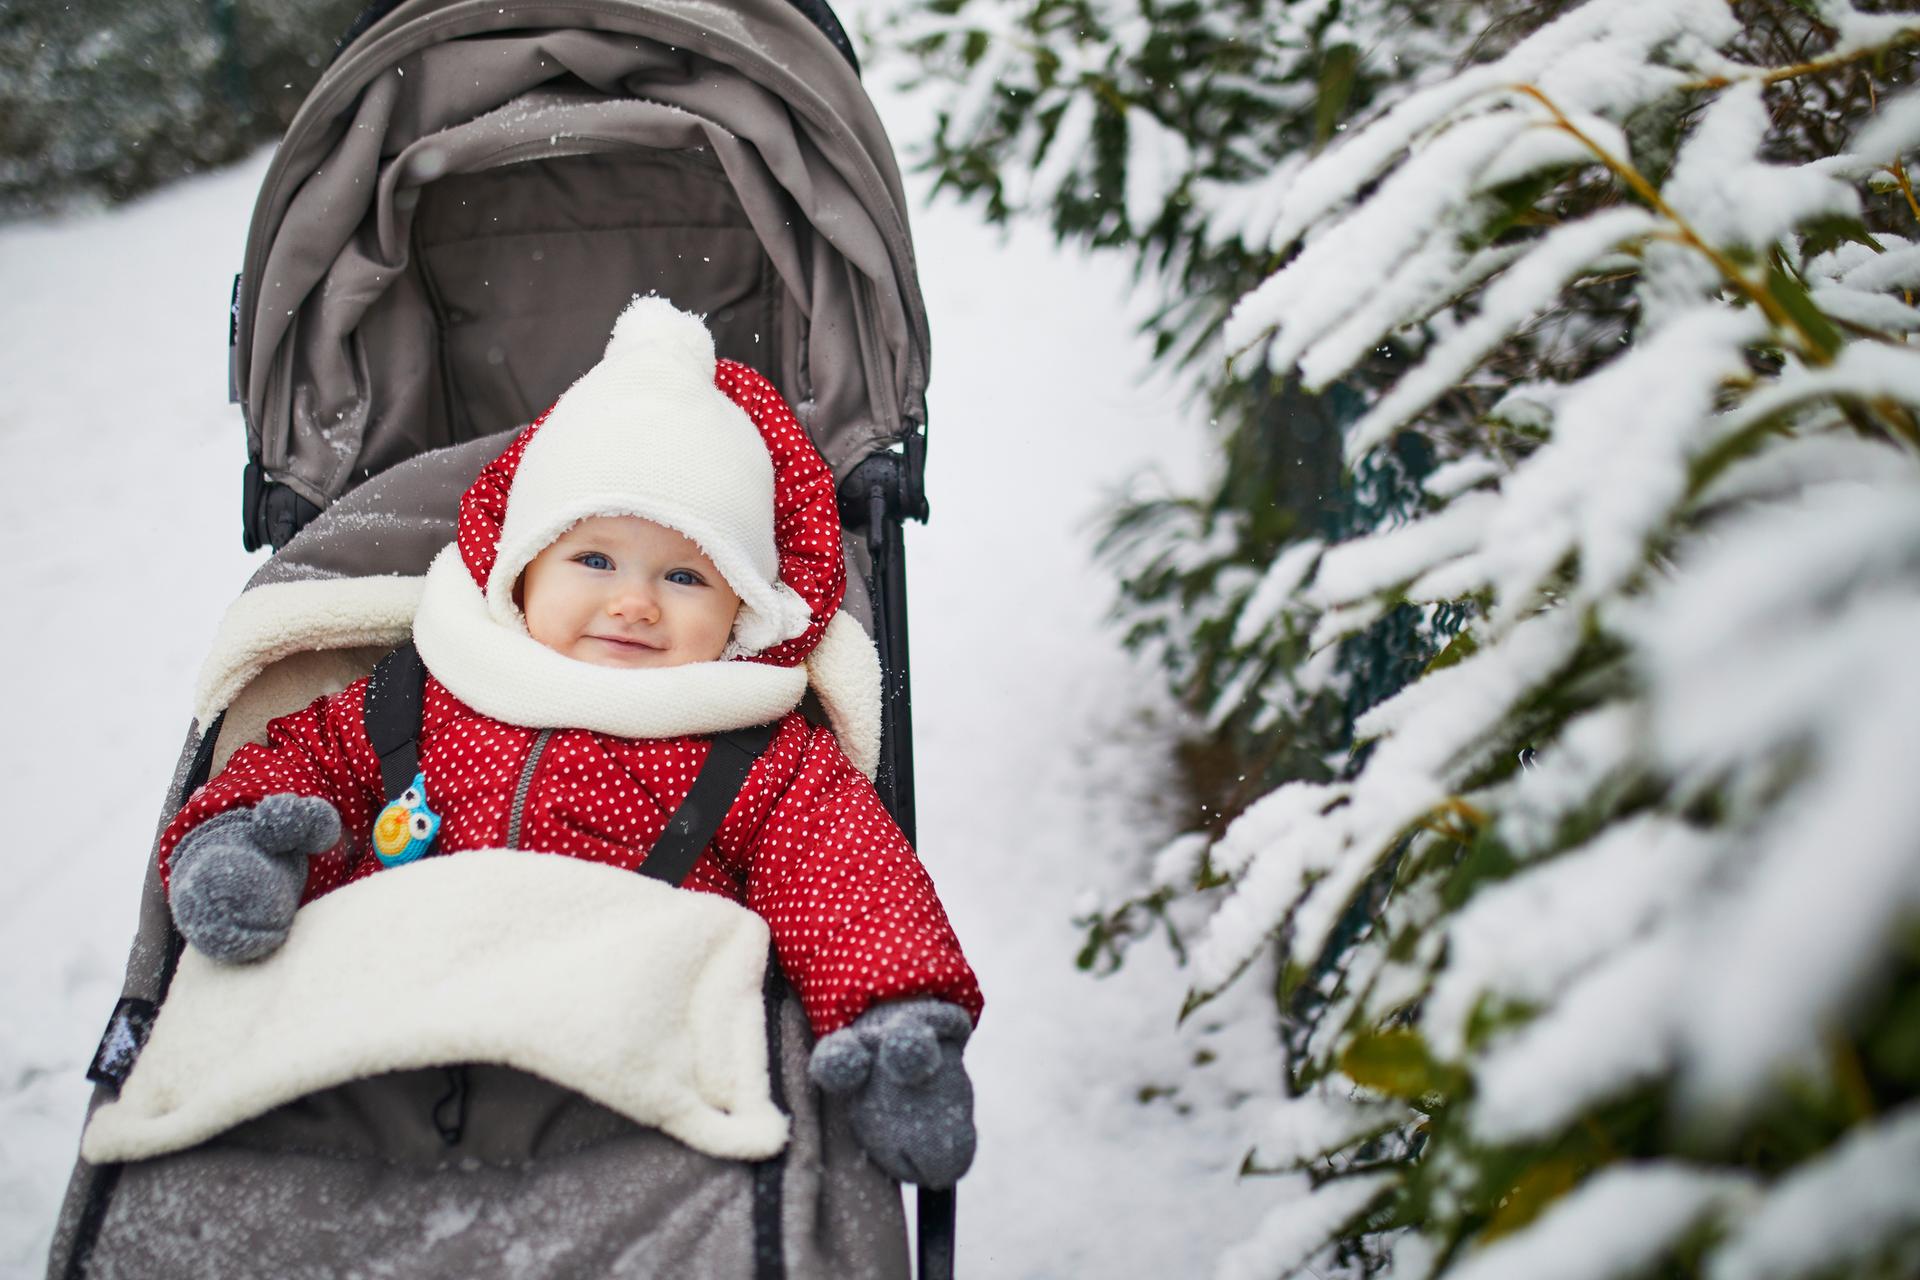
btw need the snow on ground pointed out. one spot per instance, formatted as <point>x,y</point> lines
<point>119,503</point>
<point>1036,765</point>
<point>1038,745</point>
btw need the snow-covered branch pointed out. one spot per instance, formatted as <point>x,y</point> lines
<point>1647,833</point>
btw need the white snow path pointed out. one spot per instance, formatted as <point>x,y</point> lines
<point>1034,768</point>
<point>119,506</point>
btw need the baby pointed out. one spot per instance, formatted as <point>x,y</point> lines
<point>656,560</point>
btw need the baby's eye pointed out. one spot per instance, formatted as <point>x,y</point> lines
<point>685,578</point>
<point>593,560</point>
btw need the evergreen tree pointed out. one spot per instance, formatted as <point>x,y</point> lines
<point>1600,952</point>
<point>115,97</point>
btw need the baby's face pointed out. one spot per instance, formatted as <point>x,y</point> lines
<point>619,591</point>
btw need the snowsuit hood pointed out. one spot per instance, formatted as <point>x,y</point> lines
<point>661,429</point>
<point>629,440</point>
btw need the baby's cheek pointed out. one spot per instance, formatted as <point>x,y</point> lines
<point>719,630</point>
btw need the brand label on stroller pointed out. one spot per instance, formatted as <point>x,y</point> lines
<point>120,1045</point>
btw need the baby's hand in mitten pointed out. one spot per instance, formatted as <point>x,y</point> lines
<point>237,877</point>
<point>898,1066</point>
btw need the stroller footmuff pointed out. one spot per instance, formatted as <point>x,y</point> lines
<point>716,1159</point>
<point>468,197</point>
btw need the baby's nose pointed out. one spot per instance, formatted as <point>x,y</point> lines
<point>635,603</point>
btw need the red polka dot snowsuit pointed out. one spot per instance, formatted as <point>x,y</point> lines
<point>808,845</point>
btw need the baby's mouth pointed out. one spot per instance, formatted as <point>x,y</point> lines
<point>630,643</point>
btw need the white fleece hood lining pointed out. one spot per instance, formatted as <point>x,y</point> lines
<point>645,998</point>
<point>646,432</point>
<point>279,619</point>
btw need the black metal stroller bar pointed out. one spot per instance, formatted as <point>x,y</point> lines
<point>880,495</point>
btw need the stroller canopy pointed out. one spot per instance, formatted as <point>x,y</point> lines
<point>475,189</point>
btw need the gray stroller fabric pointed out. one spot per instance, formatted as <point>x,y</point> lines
<point>469,198</point>
<point>477,1172</point>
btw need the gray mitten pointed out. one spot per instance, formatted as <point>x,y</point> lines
<point>237,877</point>
<point>898,1067</point>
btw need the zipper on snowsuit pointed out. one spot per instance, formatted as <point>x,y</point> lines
<point>520,791</point>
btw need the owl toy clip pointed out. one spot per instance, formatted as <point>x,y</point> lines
<point>406,826</point>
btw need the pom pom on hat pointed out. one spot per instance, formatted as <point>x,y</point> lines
<point>653,333</point>
<point>646,432</point>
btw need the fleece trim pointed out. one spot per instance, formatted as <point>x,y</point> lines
<point>502,672</point>
<point>844,669</point>
<point>644,998</point>
<point>275,621</point>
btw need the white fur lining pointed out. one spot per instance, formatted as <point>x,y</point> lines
<point>501,671</point>
<point>271,622</point>
<point>844,669</point>
<point>643,997</point>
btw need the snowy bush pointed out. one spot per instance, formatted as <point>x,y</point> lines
<point>1602,956</point>
<point>1050,86</point>
<point>1047,107</point>
<point>115,97</point>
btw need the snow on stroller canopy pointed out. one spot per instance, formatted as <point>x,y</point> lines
<point>474,190</point>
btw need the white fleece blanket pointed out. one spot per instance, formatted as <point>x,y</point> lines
<point>643,997</point>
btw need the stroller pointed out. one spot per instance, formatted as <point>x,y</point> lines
<point>469,195</point>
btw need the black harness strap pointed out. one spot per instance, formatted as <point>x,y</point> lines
<point>395,694</point>
<point>715,788</point>
<point>397,691</point>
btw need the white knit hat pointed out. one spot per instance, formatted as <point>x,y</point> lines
<point>647,433</point>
